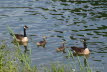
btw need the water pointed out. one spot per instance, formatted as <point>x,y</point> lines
<point>58,20</point>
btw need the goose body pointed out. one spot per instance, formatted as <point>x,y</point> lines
<point>41,43</point>
<point>79,50</point>
<point>21,38</point>
<point>60,49</point>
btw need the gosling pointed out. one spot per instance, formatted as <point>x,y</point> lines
<point>42,43</point>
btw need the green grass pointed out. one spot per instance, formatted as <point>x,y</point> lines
<point>13,59</point>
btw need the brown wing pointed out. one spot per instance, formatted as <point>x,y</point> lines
<point>61,47</point>
<point>19,36</point>
<point>78,49</point>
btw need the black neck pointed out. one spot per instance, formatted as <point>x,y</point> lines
<point>25,33</point>
<point>85,45</point>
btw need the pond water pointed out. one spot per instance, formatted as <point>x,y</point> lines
<point>58,20</point>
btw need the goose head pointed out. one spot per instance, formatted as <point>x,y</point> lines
<point>25,27</point>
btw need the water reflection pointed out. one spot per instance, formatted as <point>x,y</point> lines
<point>25,44</point>
<point>26,49</point>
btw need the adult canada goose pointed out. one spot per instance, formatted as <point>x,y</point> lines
<point>61,48</point>
<point>42,43</point>
<point>83,51</point>
<point>20,37</point>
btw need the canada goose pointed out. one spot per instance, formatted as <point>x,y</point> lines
<point>83,51</point>
<point>42,43</point>
<point>61,48</point>
<point>20,37</point>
